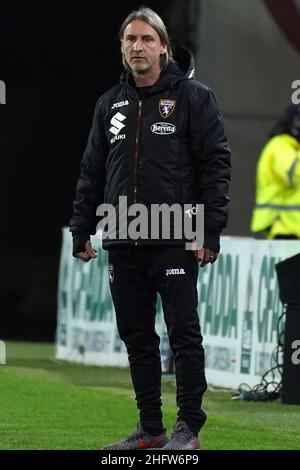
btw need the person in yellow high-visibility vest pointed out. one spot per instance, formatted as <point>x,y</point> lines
<point>277,207</point>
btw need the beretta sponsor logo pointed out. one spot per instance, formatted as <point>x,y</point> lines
<point>163,128</point>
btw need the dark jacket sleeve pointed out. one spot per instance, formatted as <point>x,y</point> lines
<point>91,183</point>
<point>212,156</point>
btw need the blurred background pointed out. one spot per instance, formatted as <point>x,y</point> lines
<point>57,58</point>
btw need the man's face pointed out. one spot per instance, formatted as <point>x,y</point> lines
<point>141,46</point>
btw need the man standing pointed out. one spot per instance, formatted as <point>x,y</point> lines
<point>157,138</point>
<point>277,210</point>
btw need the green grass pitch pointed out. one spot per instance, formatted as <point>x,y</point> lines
<point>50,404</point>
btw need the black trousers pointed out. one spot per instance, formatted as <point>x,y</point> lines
<point>137,274</point>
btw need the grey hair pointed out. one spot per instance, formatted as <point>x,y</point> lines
<point>154,20</point>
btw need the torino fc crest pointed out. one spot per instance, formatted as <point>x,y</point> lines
<point>166,107</point>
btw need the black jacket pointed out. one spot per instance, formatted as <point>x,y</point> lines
<point>151,154</point>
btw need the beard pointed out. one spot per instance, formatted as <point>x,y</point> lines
<point>140,72</point>
<point>140,69</point>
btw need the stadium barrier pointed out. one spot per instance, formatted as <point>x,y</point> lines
<point>2,353</point>
<point>239,308</point>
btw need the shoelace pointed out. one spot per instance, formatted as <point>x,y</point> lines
<point>182,434</point>
<point>138,434</point>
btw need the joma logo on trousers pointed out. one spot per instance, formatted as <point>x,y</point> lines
<point>117,124</point>
<point>175,272</point>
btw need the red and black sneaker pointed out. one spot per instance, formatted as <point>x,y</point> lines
<point>139,440</point>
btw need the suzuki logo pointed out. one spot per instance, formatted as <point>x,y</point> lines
<point>116,123</point>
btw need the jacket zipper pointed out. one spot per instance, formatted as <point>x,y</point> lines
<point>136,153</point>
